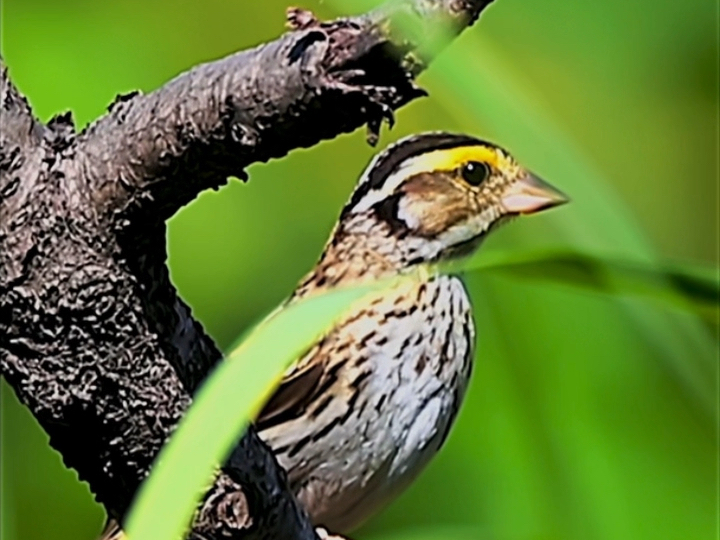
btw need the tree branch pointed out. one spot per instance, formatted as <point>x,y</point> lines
<point>154,153</point>
<point>93,337</point>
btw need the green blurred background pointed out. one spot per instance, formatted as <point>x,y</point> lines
<point>589,416</point>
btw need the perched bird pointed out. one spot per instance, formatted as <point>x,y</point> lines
<point>364,410</point>
<point>358,416</point>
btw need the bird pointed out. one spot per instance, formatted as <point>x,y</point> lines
<point>358,416</point>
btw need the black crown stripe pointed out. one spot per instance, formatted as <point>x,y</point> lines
<point>390,159</point>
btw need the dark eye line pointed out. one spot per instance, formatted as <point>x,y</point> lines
<point>475,172</point>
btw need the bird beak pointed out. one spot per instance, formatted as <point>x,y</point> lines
<point>531,194</point>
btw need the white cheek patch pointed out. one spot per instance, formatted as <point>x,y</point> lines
<point>406,215</point>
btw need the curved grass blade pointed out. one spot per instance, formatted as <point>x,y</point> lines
<point>223,408</point>
<point>685,287</point>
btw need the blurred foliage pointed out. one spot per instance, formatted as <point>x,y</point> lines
<point>589,416</point>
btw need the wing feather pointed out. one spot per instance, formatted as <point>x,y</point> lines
<point>293,396</point>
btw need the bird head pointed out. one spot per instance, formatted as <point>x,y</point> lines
<point>437,195</point>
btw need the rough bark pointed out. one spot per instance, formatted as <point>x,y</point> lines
<point>93,337</point>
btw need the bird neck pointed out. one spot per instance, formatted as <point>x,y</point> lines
<point>362,248</point>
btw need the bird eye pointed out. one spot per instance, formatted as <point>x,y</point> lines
<point>475,172</point>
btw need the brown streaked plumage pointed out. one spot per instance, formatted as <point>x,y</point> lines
<point>359,415</point>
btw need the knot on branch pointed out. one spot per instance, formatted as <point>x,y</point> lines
<point>61,131</point>
<point>224,512</point>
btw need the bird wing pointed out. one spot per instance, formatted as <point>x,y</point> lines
<point>296,391</point>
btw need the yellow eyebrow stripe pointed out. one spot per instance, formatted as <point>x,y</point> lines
<point>449,159</point>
